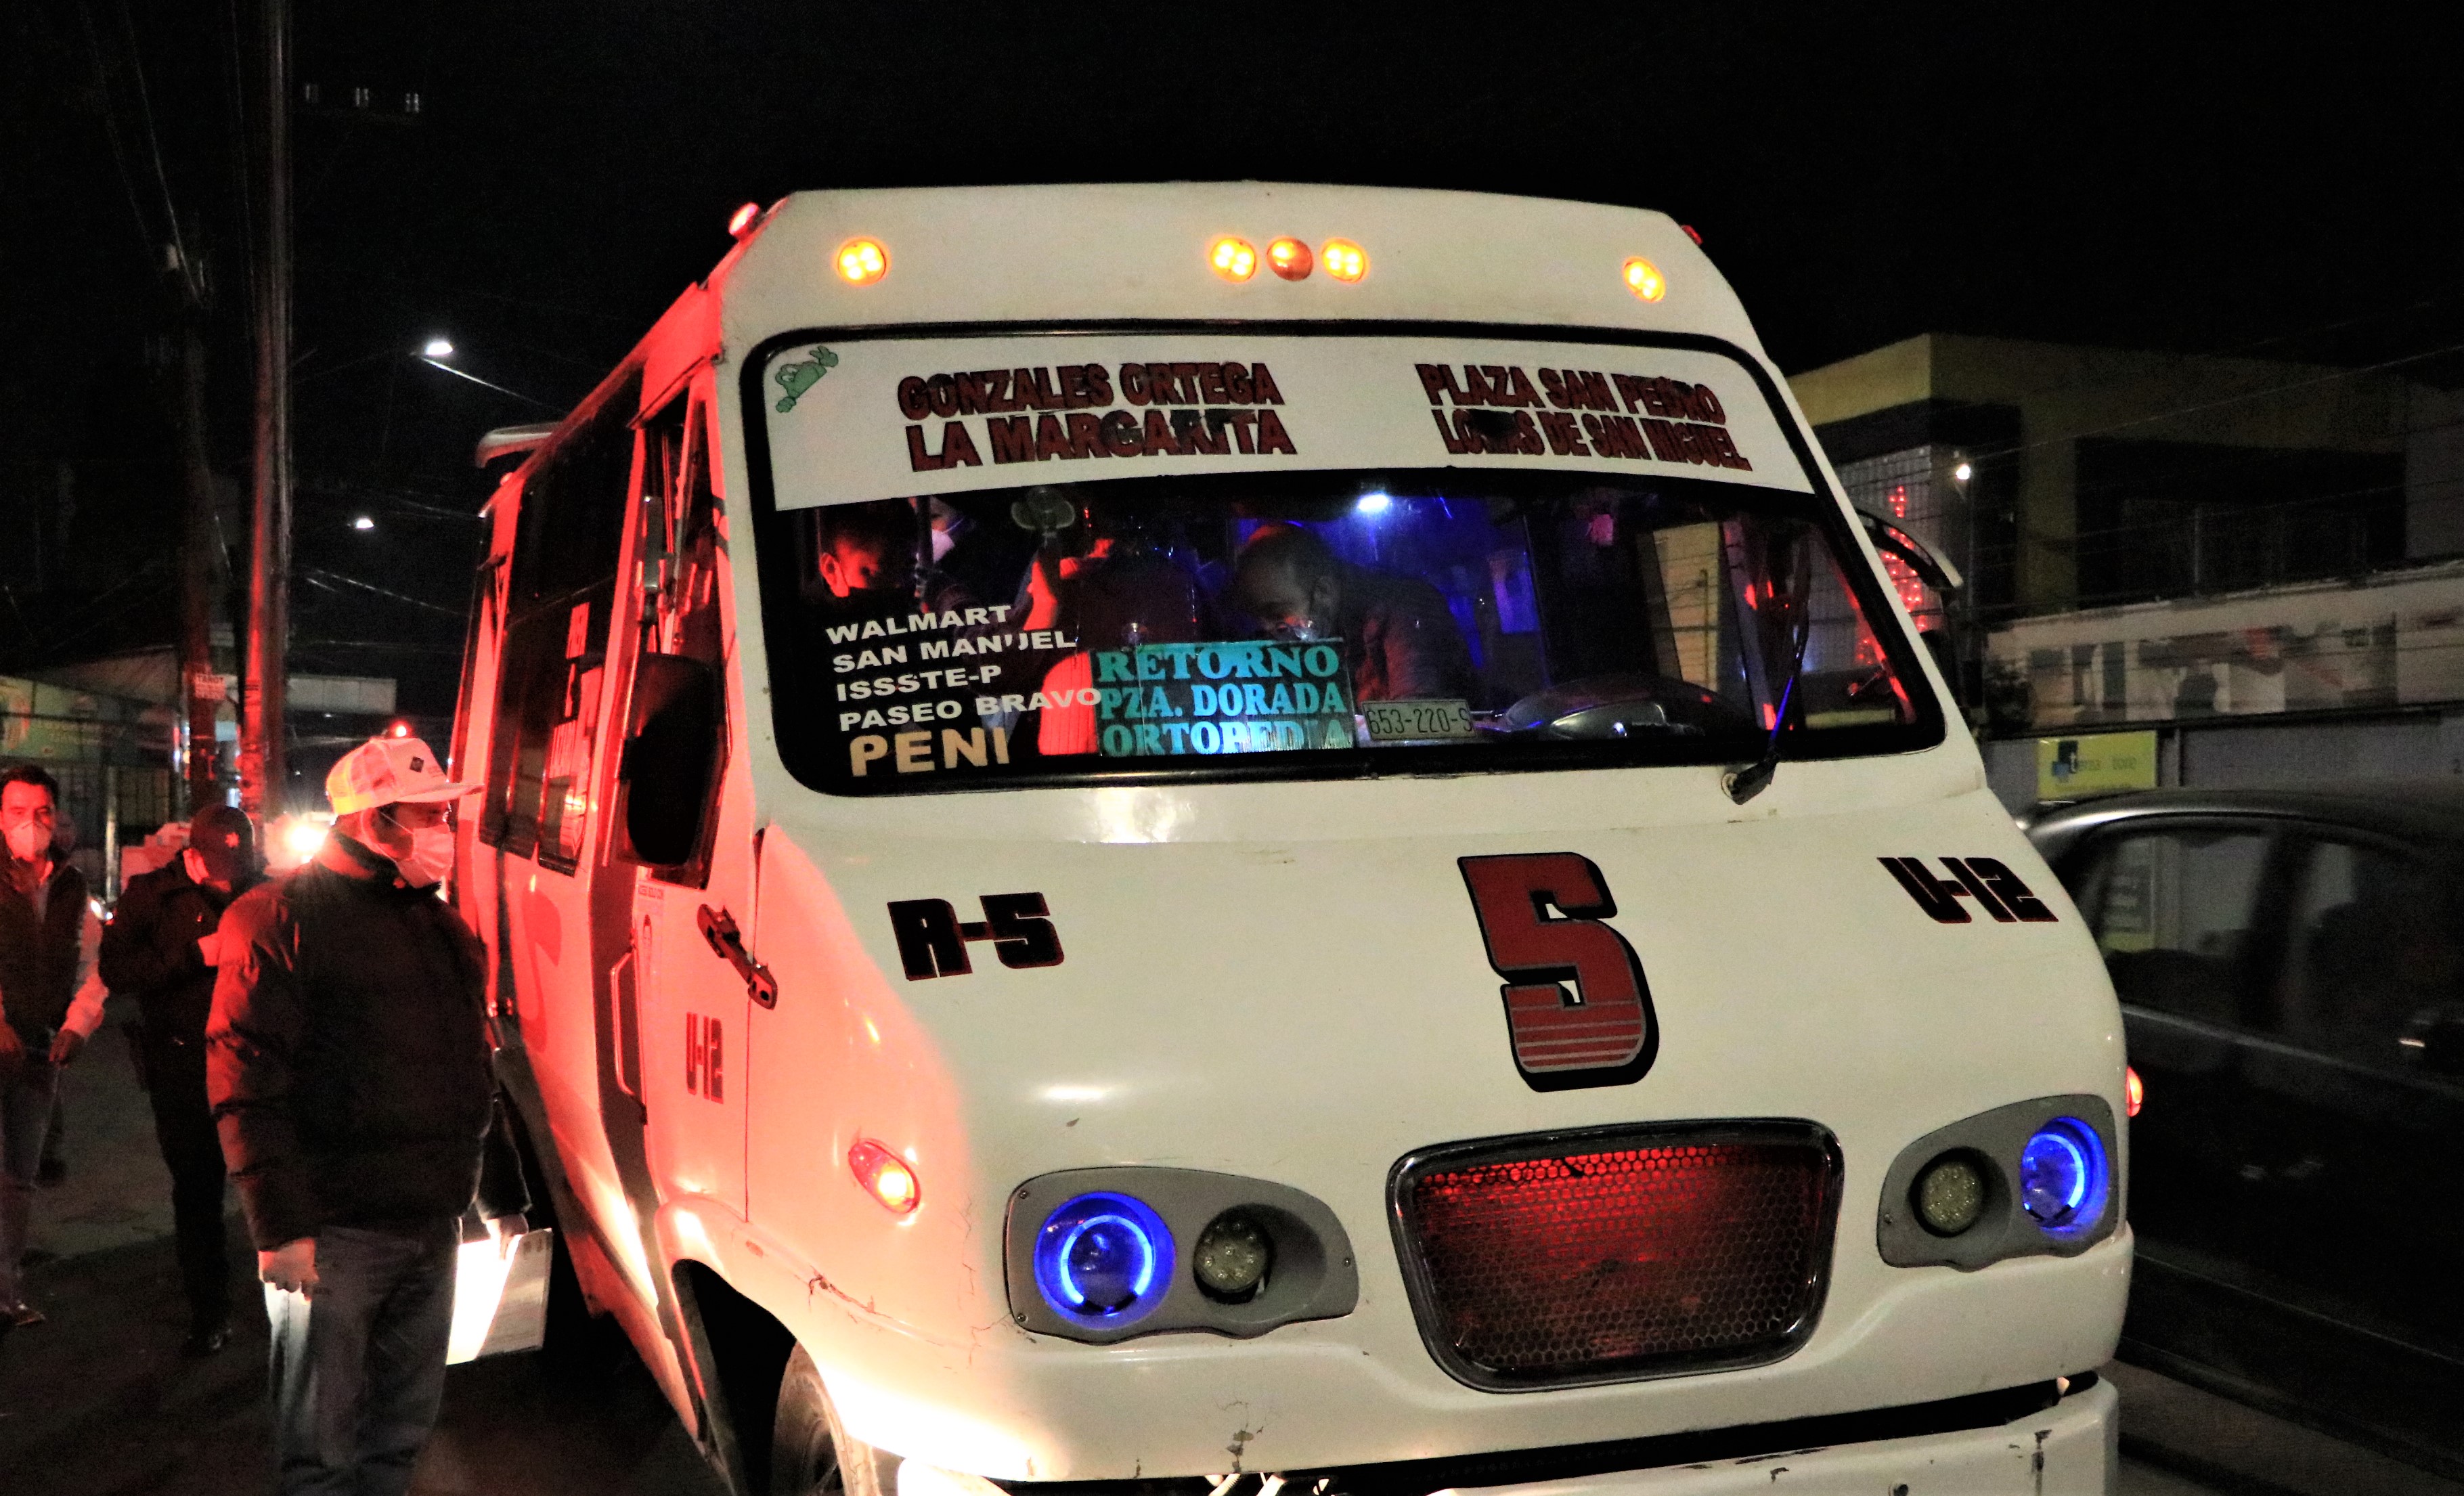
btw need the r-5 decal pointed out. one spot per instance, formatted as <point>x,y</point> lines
<point>1602,1033</point>
<point>933,942</point>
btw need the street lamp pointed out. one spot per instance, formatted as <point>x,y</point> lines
<point>438,348</point>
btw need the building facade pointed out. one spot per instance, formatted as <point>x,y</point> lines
<point>2258,564</point>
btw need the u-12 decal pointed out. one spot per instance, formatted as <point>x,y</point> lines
<point>1995,889</point>
<point>1603,1032</point>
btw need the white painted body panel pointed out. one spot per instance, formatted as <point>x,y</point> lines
<point>1281,980</point>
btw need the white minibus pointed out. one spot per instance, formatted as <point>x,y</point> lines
<point>1194,838</point>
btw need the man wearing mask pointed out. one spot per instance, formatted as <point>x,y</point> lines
<point>1400,640</point>
<point>347,1062</point>
<point>162,947</point>
<point>51,1001</point>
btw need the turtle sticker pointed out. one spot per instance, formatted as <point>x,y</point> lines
<point>803,375</point>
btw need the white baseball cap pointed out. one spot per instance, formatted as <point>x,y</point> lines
<point>391,771</point>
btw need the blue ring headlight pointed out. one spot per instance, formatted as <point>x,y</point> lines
<point>2063,1177</point>
<point>1103,1259</point>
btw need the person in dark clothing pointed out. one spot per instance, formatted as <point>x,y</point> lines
<point>348,1064</point>
<point>51,1001</point>
<point>1400,639</point>
<point>162,947</point>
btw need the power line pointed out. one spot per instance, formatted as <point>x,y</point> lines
<point>190,285</point>
<point>2203,406</point>
<point>498,388</point>
<point>326,579</point>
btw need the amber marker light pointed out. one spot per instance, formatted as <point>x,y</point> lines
<point>1345,260</point>
<point>885,1177</point>
<point>1289,258</point>
<point>2134,1091</point>
<point>1644,279</point>
<point>863,262</point>
<point>1233,260</point>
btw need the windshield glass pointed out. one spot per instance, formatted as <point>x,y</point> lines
<point>1545,588</point>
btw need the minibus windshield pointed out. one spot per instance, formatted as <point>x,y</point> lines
<point>1433,621</point>
<point>1041,558</point>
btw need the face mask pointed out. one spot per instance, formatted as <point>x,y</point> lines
<point>430,856</point>
<point>29,841</point>
<point>1299,631</point>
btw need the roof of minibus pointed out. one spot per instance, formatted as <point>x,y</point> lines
<point>1134,251</point>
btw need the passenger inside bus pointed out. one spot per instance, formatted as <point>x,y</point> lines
<point>1400,639</point>
<point>1124,591</point>
<point>864,562</point>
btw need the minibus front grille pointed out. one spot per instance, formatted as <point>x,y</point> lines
<point>1617,1253</point>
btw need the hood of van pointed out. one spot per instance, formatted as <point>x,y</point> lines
<point>1309,1011</point>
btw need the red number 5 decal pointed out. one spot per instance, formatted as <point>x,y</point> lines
<point>1601,1034</point>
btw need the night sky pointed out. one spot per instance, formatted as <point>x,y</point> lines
<point>2286,185</point>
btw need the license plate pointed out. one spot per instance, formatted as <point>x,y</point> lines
<point>1395,721</point>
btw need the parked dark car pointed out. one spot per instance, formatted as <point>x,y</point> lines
<point>2291,970</point>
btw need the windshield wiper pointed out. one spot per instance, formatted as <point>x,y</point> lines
<point>1744,784</point>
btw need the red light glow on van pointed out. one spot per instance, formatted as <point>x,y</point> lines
<point>741,220</point>
<point>885,1177</point>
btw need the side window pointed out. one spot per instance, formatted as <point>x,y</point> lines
<point>561,590</point>
<point>2173,911</point>
<point>677,727</point>
<point>2374,958</point>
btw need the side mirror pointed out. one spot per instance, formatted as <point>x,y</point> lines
<point>671,744</point>
<point>1934,571</point>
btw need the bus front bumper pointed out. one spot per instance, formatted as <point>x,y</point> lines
<point>2068,1449</point>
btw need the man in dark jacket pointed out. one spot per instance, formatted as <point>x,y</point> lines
<point>162,949</point>
<point>1400,640</point>
<point>348,1064</point>
<point>51,1001</point>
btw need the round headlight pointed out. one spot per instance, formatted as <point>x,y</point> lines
<point>2063,1179</point>
<point>1103,1259</point>
<point>1949,1195</point>
<point>1232,1256</point>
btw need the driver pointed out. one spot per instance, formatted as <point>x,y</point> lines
<point>1400,639</point>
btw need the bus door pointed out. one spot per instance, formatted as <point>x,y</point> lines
<point>539,814</point>
<point>684,821</point>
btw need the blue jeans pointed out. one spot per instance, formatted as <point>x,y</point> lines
<point>25,1116</point>
<point>359,1370</point>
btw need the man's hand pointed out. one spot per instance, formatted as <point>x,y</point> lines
<point>504,1231</point>
<point>291,1267</point>
<point>210,947</point>
<point>12,1051</point>
<point>65,1046</point>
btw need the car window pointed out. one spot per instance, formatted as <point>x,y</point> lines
<point>2374,961</point>
<point>2173,911</point>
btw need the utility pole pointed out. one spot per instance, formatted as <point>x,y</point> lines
<point>262,777</point>
<point>199,684</point>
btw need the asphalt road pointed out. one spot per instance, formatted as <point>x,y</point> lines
<point>98,1403</point>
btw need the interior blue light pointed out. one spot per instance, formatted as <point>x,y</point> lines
<point>1103,1259</point>
<point>2063,1176</point>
